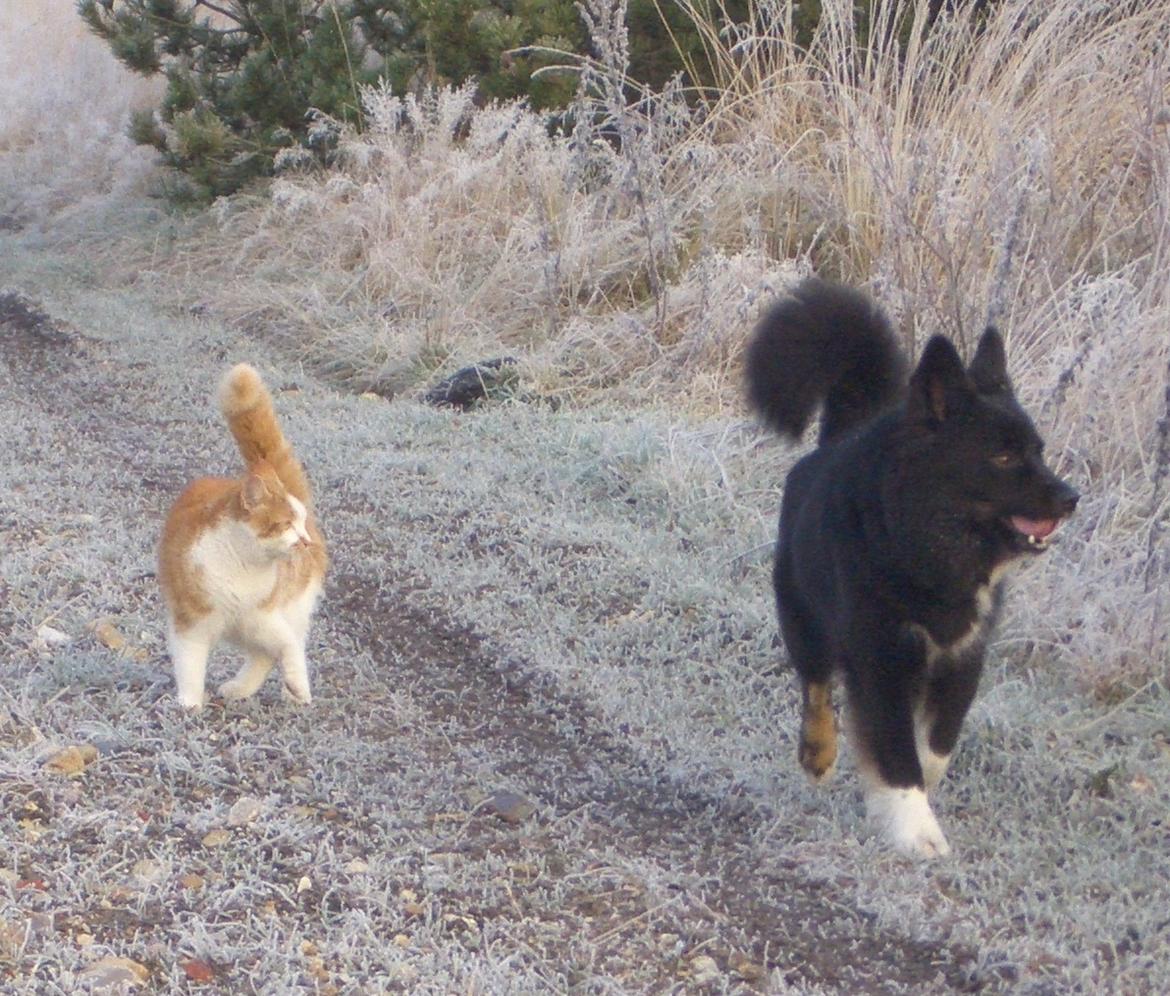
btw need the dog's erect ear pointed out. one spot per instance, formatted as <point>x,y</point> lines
<point>940,385</point>
<point>988,369</point>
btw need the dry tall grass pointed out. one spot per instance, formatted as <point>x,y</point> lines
<point>66,105</point>
<point>1016,169</point>
<point>975,174</point>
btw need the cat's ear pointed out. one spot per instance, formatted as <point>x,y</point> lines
<point>254,492</point>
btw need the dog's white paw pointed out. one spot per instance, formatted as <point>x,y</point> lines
<point>905,819</point>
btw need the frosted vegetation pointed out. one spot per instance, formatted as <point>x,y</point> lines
<point>1020,174</point>
<point>66,106</point>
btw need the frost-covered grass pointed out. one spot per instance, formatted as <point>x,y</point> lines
<point>614,560</point>
<point>67,103</point>
<point>1017,175</point>
<point>618,545</point>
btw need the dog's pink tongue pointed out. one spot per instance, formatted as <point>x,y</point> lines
<point>1040,528</point>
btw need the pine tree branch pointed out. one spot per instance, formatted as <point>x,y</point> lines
<point>224,12</point>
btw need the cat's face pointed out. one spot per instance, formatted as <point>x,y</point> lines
<point>276,519</point>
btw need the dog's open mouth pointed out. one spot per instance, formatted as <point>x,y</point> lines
<point>1036,532</point>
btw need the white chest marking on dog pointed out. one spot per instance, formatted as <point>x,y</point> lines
<point>984,605</point>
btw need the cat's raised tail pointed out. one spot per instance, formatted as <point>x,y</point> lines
<point>251,417</point>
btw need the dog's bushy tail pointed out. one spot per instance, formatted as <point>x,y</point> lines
<point>823,345</point>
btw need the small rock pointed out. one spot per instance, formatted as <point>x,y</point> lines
<point>11,938</point>
<point>15,934</point>
<point>244,811</point>
<point>198,970</point>
<point>357,866</point>
<point>72,760</point>
<point>109,636</point>
<point>748,970</point>
<point>509,807</point>
<point>50,636</point>
<point>148,871</point>
<point>192,881</point>
<point>402,972</point>
<point>488,379</point>
<point>472,796</point>
<point>704,969</point>
<point>401,941</point>
<point>216,838</point>
<point>1140,783</point>
<point>109,972</point>
<point>304,884</point>
<point>410,904</point>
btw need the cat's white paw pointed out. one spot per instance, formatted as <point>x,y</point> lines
<point>190,703</point>
<point>905,819</point>
<point>296,692</point>
<point>235,689</point>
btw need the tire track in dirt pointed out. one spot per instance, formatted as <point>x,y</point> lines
<point>792,924</point>
<point>572,768</point>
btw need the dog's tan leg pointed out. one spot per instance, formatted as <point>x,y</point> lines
<point>818,731</point>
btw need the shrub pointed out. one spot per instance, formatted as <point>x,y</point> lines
<point>248,80</point>
<point>241,84</point>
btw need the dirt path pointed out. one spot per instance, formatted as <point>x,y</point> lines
<point>438,821</point>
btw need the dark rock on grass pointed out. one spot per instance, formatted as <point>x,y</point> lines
<point>493,379</point>
<point>510,807</point>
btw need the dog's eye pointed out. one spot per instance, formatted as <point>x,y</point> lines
<point>1005,461</point>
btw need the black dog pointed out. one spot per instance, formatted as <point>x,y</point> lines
<point>893,535</point>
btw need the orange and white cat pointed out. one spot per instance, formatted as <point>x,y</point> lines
<point>242,560</point>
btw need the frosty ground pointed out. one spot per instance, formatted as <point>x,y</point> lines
<point>551,748</point>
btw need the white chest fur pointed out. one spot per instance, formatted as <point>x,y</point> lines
<point>986,597</point>
<point>236,575</point>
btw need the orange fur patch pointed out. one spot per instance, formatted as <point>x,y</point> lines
<point>818,731</point>
<point>247,406</point>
